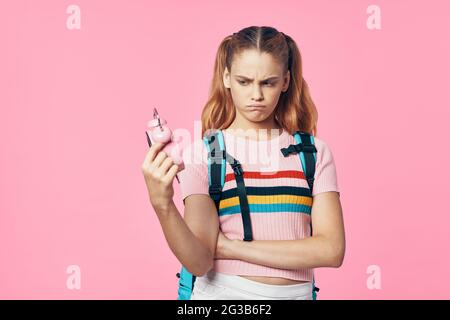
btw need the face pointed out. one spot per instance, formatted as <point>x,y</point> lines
<point>255,79</point>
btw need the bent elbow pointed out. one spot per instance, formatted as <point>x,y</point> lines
<point>199,274</point>
<point>337,257</point>
<point>337,262</point>
<point>197,271</point>
<point>201,270</point>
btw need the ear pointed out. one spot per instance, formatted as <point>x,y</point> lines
<point>287,79</point>
<point>226,78</point>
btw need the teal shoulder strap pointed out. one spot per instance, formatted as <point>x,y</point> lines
<point>216,172</point>
<point>218,157</point>
<point>216,164</point>
<point>185,284</point>
<point>307,154</point>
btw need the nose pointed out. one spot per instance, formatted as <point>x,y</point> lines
<point>257,93</point>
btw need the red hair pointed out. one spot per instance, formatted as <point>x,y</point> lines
<point>295,110</point>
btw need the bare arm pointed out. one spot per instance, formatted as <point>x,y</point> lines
<point>192,239</point>
<point>326,248</point>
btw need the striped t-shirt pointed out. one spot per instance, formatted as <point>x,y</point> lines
<point>278,194</point>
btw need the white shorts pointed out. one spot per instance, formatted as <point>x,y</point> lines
<point>221,286</point>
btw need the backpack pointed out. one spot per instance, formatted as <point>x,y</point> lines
<point>217,158</point>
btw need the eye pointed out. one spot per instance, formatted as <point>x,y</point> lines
<point>266,83</point>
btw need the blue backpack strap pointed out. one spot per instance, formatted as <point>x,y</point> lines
<point>216,172</point>
<point>185,284</point>
<point>218,157</point>
<point>215,145</point>
<point>243,200</point>
<point>307,153</point>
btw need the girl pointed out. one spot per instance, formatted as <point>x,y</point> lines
<point>258,99</point>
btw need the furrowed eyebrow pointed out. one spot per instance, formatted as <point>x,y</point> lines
<point>271,78</point>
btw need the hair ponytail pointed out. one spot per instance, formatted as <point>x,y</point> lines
<point>295,110</point>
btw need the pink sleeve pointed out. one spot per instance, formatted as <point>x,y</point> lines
<point>325,178</point>
<point>194,178</point>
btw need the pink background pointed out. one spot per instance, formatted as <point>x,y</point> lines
<point>74,106</point>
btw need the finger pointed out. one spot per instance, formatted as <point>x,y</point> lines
<point>159,159</point>
<point>166,164</point>
<point>152,152</point>
<point>171,173</point>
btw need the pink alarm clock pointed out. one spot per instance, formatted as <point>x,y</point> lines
<point>158,131</point>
